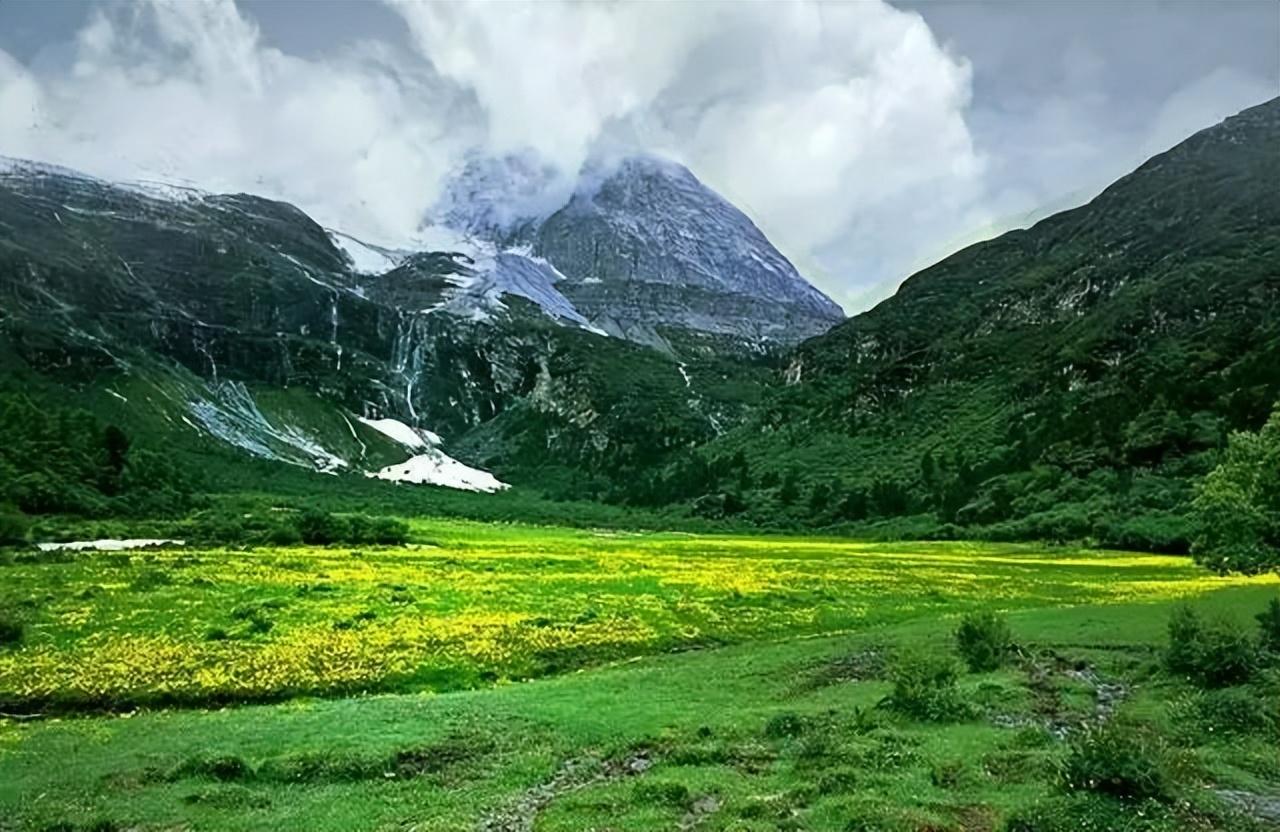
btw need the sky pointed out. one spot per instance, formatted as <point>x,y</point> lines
<point>867,139</point>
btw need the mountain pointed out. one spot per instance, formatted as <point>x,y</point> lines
<point>644,251</point>
<point>636,339</point>
<point>238,321</point>
<point>1068,380</point>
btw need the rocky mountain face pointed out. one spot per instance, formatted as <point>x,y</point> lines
<point>644,251</point>
<point>221,300</point>
<point>1096,359</point>
<point>649,247</point>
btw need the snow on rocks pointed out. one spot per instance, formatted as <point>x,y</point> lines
<point>398,431</point>
<point>365,258</point>
<point>435,467</point>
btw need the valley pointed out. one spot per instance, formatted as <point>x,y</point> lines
<point>711,682</point>
<point>569,502</point>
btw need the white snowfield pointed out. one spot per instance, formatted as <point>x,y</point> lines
<point>108,544</point>
<point>398,431</point>
<point>438,468</point>
<point>365,258</point>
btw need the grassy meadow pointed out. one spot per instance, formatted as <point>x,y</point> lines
<point>678,681</point>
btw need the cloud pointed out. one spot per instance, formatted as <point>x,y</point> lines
<point>822,121</point>
<point>190,92</point>
<point>846,130</point>
<point>550,75</point>
<point>810,116</point>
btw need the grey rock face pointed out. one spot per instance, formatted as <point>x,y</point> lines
<point>649,245</point>
<point>640,246</point>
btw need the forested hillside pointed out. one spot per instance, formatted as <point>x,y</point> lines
<point>1071,380</point>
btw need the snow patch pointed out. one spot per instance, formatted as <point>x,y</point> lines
<point>10,166</point>
<point>438,468</point>
<point>434,237</point>
<point>108,544</point>
<point>365,258</point>
<point>402,433</point>
<point>233,416</point>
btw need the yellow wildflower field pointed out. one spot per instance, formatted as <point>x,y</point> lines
<point>474,603</point>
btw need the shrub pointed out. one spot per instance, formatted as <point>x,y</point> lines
<point>951,774</point>
<point>360,529</point>
<point>320,528</point>
<point>1214,653</point>
<point>924,687</point>
<point>785,724</point>
<point>1155,531</point>
<point>1269,624</point>
<point>149,579</point>
<point>1085,812</point>
<point>1237,505</point>
<point>12,628</point>
<point>1121,761</point>
<point>389,531</point>
<point>984,640</point>
<point>1237,711</point>
<point>13,526</point>
<point>323,767</point>
<point>284,534</point>
<point>216,767</point>
<point>661,792</point>
<point>1185,626</point>
<point>259,624</point>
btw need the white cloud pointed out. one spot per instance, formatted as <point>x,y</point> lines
<point>810,116</point>
<point>189,91</point>
<point>550,75</point>
<point>844,129</point>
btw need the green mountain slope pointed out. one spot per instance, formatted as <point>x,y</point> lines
<point>1064,380</point>
<point>233,324</point>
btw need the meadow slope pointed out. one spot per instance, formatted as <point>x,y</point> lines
<point>780,722</point>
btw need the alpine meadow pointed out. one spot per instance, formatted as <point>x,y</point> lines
<point>411,422</point>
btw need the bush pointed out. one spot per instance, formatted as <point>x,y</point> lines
<point>951,774</point>
<point>389,531</point>
<point>12,628</point>
<point>1214,653</point>
<point>664,793</point>
<point>924,687</point>
<point>1269,624</point>
<point>1237,711</point>
<point>785,724</point>
<point>1183,653</point>
<point>284,534</point>
<point>13,526</point>
<point>1155,531</point>
<point>984,640</point>
<point>359,529</point>
<point>1085,812</point>
<point>213,528</point>
<point>1121,761</point>
<point>226,768</point>
<point>320,528</point>
<point>1237,505</point>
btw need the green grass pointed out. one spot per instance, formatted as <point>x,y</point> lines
<point>778,727</point>
<point>471,603</point>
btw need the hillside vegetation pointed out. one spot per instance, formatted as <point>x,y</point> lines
<point>1073,380</point>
